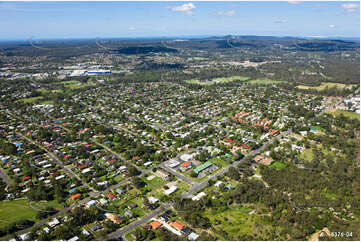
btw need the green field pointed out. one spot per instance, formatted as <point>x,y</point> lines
<point>263,81</point>
<point>219,162</point>
<point>307,155</point>
<point>69,82</point>
<point>278,165</point>
<point>14,210</point>
<point>326,84</point>
<point>31,99</point>
<point>217,80</point>
<point>347,114</point>
<point>236,222</point>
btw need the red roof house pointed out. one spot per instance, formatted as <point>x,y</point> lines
<point>155,224</point>
<point>177,225</point>
<point>111,196</point>
<point>26,178</point>
<point>75,196</point>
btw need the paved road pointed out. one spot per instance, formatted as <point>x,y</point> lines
<point>57,161</point>
<point>180,176</point>
<point>195,188</point>
<point>135,224</point>
<point>114,153</point>
<point>198,186</point>
<point>4,177</point>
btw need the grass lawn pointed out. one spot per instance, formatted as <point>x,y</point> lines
<point>31,99</point>
<point>347,114</point>
<point>43,91</point>
<point>79,86</point>
<point>47,102</point>
<point>326,84</point>
<point>219,162</point>
<point>119,178</point>
<point>235,222</point>
<point>217,80</point>
<point>156,183</point>
<point>278,165</point>
<point>331,195</point>
<point>263,81</point>
<point>11,211</point>
<point>307,155</point>
<point>69,82</point>
<point>182,187</point>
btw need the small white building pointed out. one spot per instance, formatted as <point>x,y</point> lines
<point>170,190</point>
<point>24,236</point>
<point>53,223</point>
<point>198,196</point>
<point>153,200</point>
<point>193,236</point>
<point>91,203</point>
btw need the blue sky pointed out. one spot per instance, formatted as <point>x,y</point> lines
<point>22,20</point>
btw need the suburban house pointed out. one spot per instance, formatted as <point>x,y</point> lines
<point>154,224</point>
<point>163,174</point>
<point>203,167</point>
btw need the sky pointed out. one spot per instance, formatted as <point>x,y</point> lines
<point>39,20</point>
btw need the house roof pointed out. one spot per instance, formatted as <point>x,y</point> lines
<point>202,167</point>
<point>111,196</point>
<point>177,225</point>
<point>75,196</point>
<point>186,164</point>
<point>155,224</point>
<point>258,158</point>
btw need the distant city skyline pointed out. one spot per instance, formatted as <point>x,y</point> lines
<point>40,20</point>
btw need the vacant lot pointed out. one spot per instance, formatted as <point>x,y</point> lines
<point>235,222</point>
<point>31,99</point>
<point>263,81</point>
<point>14,210</point>
<point>326,84</point>
<point>347,114</point>
<point>278,165</point>
<point>217,80</point>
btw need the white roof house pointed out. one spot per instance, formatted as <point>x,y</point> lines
<point>91,203</point>
<point>53,222</point>
<point>24,236</point>
<point>198,196</point>
<point>153,200</point>
<point>103,201</point>
<point>218,183</point>
<point>186,157</point>
<point>147,163</point>
<point>173,163</point>
<point>86,170</point>
<point>75,238</point>
<point>170,190</point>
<point>193,236</point>
<point>122,168</point>
<point>59,177</point>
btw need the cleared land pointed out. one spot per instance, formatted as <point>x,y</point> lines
<point>263,81</point>
<point>217,80</point>
<point>328,85</point>
<point>236,222</point>
<point>347,114</point>
<point>14,210</point>
<point>278,165</point>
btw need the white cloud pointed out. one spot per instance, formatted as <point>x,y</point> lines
<point>331,26</point>
<point>294,2</point>
<point>131,28</point>
<point>350,7</point>
<point>229,13</point>
<point>185,8</point>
